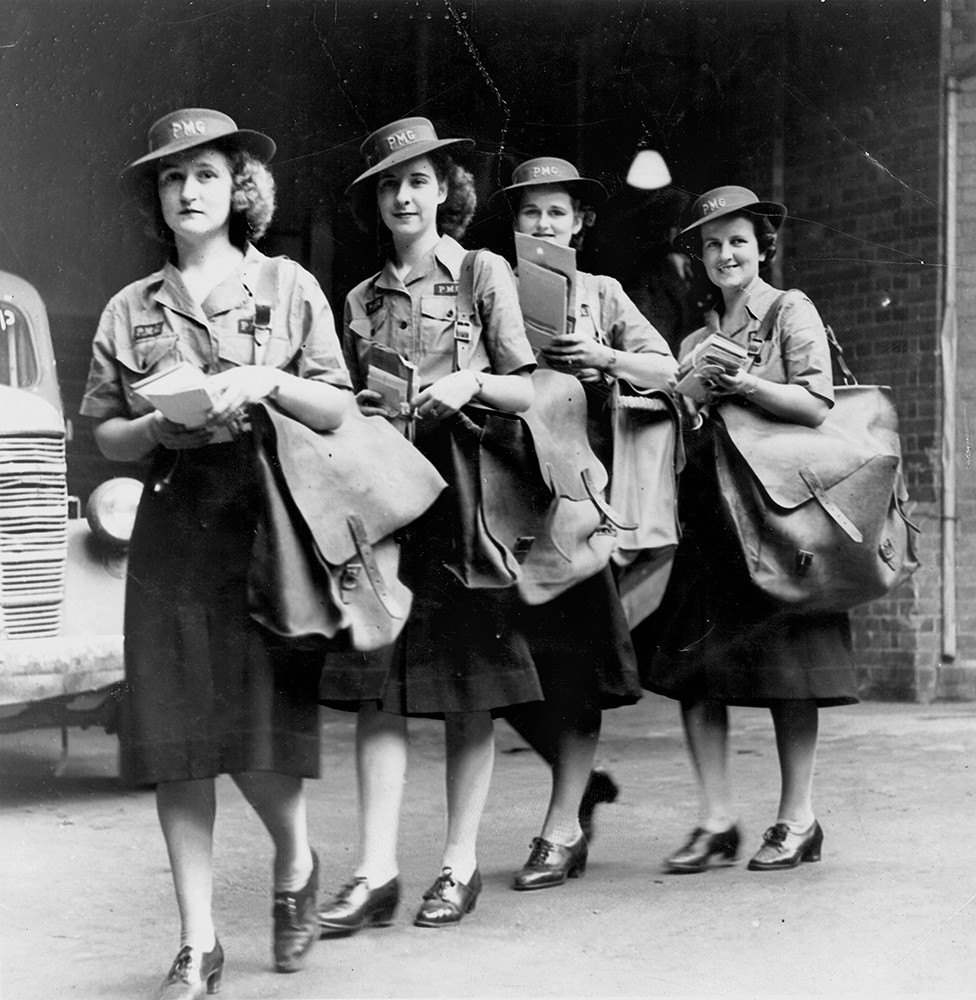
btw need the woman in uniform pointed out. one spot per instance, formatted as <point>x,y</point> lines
<point>580,641</point>
<point>207,691</point>
<point>459,657</point>
<point>720,641</point>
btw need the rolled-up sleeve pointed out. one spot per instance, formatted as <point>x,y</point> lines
<point>496,295</point>
<point>104,394</point>
<point>805,349</point>
<point>321,354</point>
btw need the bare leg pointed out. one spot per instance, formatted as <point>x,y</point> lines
<point>381,768</point>
<point>707,731</point>
<point>470,742</point>
<point>186,812</point>
<point>796,724</point>
<point>279,801</point>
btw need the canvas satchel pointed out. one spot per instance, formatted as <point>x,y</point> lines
<point>529,487</point>
<point>325,558</point>
<point>819,511</point>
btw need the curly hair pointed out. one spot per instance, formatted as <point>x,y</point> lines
<point>252,203</point>
<point>453,216</point>
<point>586,212</point>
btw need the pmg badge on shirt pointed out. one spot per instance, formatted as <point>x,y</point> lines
<point>147,330</point>
<point>373,305</point>
<point>446,288</point>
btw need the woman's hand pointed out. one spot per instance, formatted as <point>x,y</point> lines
<point>574,353</point>
<point>368,401</point>
<point>447,395</point>
<point>178,437</point>
<point>237,387</point>
<point>738,383</point>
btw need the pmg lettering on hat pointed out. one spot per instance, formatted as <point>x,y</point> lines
<point>547,171</point>
<point>400,139</point>
<point>185,129</point>
<point>713,205</point>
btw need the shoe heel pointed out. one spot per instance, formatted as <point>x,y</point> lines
<point>213,981</point>
<point>578,870</point>
<point>813,849</point>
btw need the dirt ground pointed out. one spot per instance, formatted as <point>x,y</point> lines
<point>87,908</point>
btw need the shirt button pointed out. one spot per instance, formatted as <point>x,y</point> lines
<point>450,313</point>
<point>403,324</point>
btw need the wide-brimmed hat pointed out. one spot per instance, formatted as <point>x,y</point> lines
<point>552,170</point>
<point>191,127</point>
<point>728,200</point>
<point>402,140</point>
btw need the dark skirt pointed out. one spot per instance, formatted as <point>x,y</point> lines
<point>207,690</point>
<point>716,636</point>
<point>581,647</point>
<point>462,650</point>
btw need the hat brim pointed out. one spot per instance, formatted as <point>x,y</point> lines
<point>259,145</point>
<point>585,189</point>
<point>773,210</point>
<point>411,152</point>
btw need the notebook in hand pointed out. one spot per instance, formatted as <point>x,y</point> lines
<point>180,393</point>
<point>392,378</point>
<point>547,279</point>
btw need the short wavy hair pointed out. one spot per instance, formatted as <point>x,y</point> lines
<point>252,203</point>
<point>453,216</point>
<point>586,212</point>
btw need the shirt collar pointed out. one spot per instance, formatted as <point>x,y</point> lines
<point>759,297</point>
<point>166,287</point>
<point>446,252</point>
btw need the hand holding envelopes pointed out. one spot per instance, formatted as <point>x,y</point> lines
<point>181,395</point>
<point>715,355</point>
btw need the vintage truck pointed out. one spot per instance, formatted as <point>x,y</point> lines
<point>62,576</point>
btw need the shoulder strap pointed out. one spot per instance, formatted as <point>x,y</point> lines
<point>467,323</point>
<point>765,332</point>
<point>836,351</point>
<point>265,295</point>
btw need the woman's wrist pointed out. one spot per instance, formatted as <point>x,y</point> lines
<point>610,362</point>
<point>154,427</point>
<point>479,382</point>
<point>749,385</point>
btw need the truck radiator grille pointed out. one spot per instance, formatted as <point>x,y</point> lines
<point>33,536</point>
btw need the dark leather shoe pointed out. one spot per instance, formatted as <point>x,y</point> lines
<point>600,788</point>
<point>296,924</point>
<point>189,978</point>
<point>551,864</point>
<point>703,849</point>
<point>448,900</point>
<point>783,849</point>
<point>356,906</point>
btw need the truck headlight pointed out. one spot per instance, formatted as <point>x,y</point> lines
<point>111,510</point>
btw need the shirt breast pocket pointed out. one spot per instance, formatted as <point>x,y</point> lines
<point>144,357</point>
<point>438,315</point>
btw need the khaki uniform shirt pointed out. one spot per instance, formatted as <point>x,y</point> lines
<point>797,351</point>
<point>416,316</point>
<point>154,324</point>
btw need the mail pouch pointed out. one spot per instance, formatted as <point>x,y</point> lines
<point>819,512</point>
<point>326,555</point>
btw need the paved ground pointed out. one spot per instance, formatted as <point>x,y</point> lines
<point>87,909</point>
